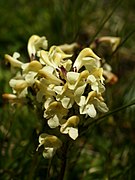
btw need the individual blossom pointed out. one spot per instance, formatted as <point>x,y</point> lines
<point>88,59</point>
<point>35,44</point>
<point>51,143</point>
<point>76,80</point>
<point>96,80</point>
<point>89,104</point>
<point>70,127</point>
<point>44,90</point>
<point>19,87</point>
<point>13,60</point>
<point>55,113</point>
<point>25,78</point>
<point>64,95</point>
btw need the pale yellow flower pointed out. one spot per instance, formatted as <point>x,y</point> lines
<point>30,78</point>
<point>44,90</point>
<point>44,58</point>
<point>89,105</point>
<point>56,51</point>
<point>74,87</point>
<point>55,113</point>
<point>34,66</point>
<point>21,82</point>
<point>88,59</point>
<point>64,95</point>
<point>49,76</point>
<point>55,58</point>
<point>75,79</point>
<point>100,104</point>
<point>96,85</point>
<point>61,88</point>
<point>51,143</point>
<point>19,87</point>
<point>13,60</point>
<point>70,127</point>
<point>87,108</point>
<point>36,43</point>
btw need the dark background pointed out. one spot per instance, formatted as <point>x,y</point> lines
<point>110,149</point>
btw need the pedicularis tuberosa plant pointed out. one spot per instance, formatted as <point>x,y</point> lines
<point>66,84</point>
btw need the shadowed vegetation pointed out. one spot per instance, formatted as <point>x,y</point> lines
<point>107,150</point>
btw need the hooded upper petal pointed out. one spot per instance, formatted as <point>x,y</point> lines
<point>36,43</point>
<point>70,127</point>
<point>88,59</point>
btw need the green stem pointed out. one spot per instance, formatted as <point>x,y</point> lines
<point>48,177</point>
<point>63,162</point>
<point>63,169</point>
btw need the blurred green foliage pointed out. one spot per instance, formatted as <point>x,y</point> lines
<point>107,152</point>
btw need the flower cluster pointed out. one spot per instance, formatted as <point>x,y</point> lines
<point>66,88</point>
